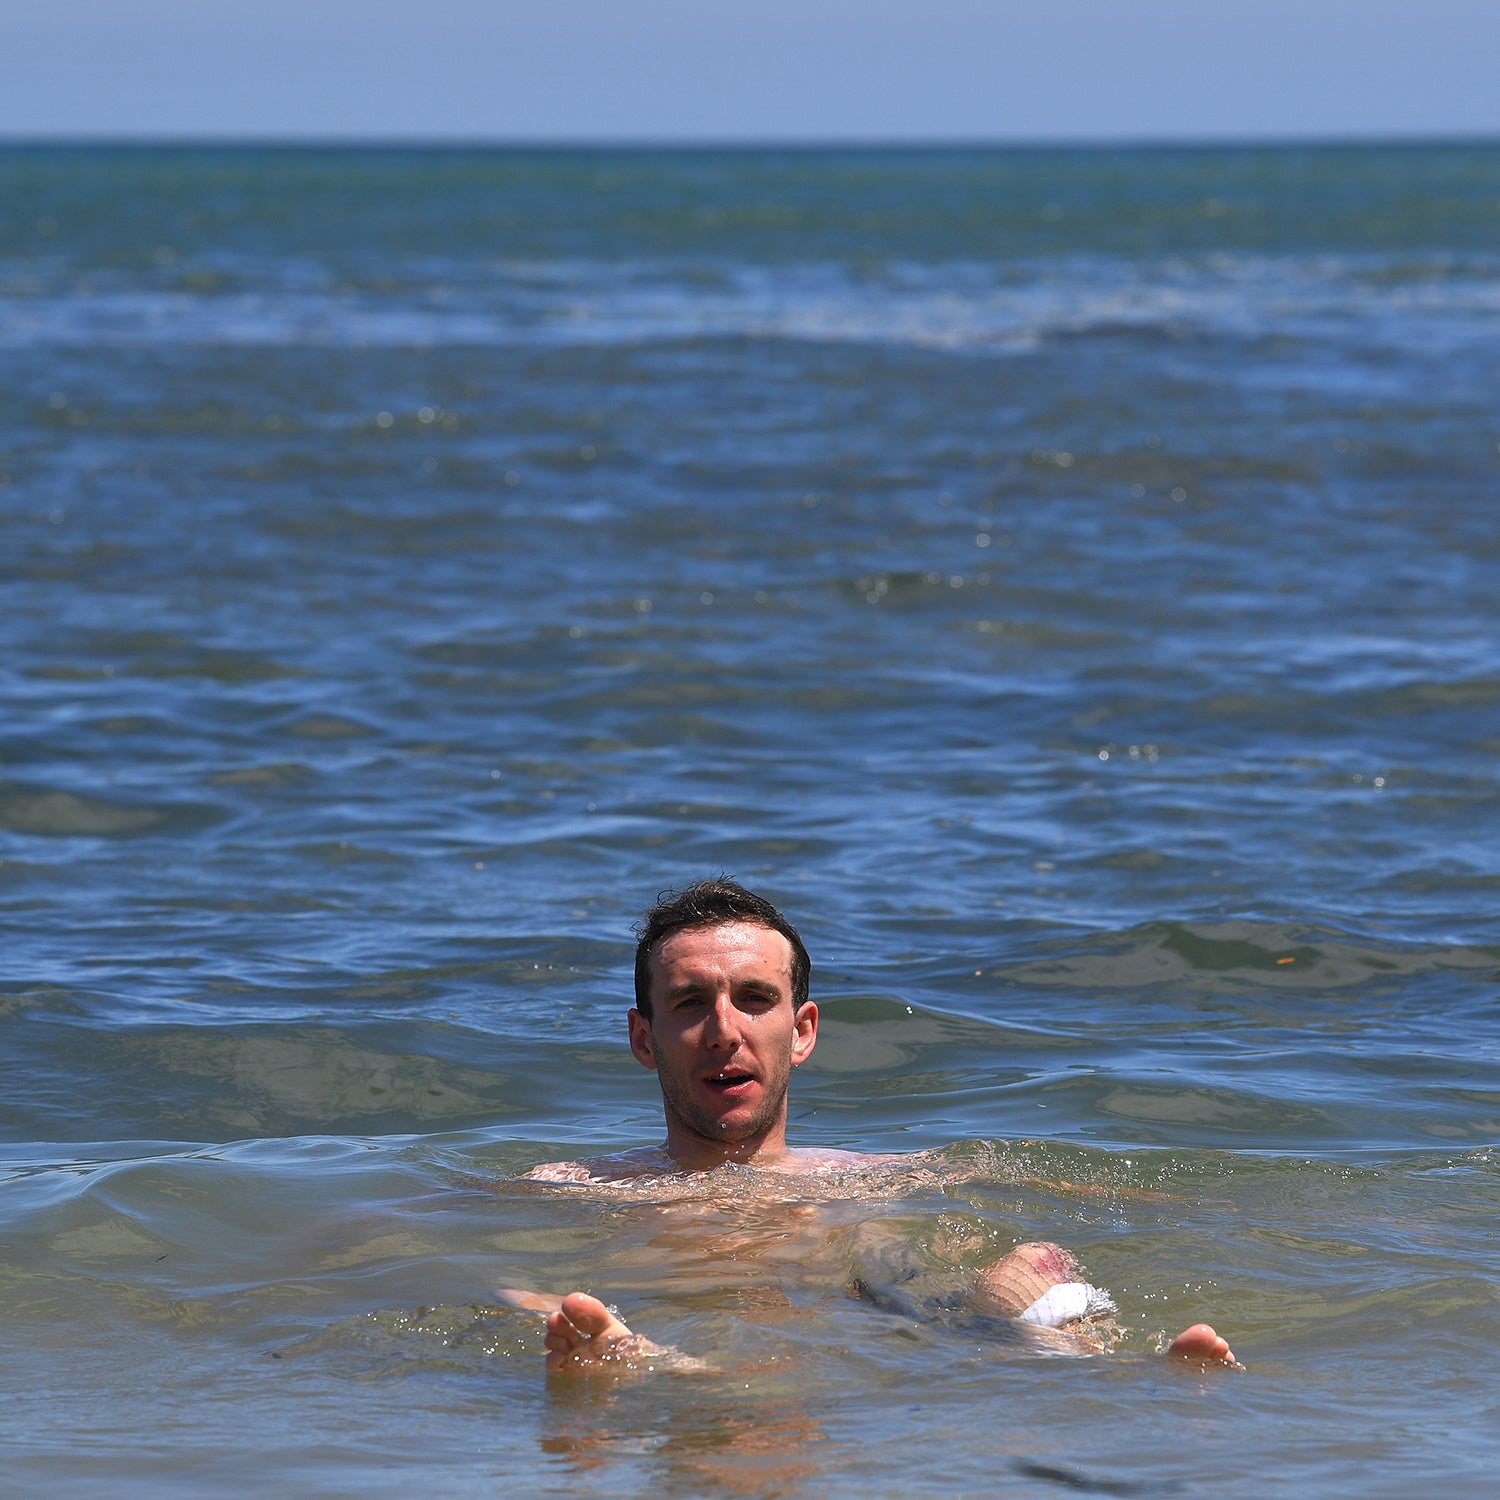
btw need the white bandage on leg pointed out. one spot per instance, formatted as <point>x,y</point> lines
<point>1067,1302</point>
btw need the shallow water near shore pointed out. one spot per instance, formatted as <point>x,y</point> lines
<point>1065,581</point>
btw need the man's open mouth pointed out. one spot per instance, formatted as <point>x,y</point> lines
<point>731,1079</point>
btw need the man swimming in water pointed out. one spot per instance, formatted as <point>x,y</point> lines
<point>722,1016</point>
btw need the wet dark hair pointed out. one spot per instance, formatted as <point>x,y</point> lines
<point>712,903</point>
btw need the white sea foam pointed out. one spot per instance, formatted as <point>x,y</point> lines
<point>1362,303</point>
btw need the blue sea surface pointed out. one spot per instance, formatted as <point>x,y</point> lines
<point>1067,581</point>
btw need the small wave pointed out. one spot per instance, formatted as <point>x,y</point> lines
<point>398,1342</point>
<point>48,812</point>
<point>1291,955</point>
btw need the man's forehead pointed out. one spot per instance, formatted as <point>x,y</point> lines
<point>719,945</point>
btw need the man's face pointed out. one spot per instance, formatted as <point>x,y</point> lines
<point>723,1037</point>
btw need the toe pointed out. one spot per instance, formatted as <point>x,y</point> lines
<point>588,1314</point>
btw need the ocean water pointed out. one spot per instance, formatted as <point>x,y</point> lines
<point>1065,581</point>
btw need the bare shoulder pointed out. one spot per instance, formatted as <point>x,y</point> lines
<point>818,1162</point>
<point>600,1171</point>
<point>558,1171</point>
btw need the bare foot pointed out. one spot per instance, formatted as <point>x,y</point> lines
<point>585,1338</point>
<point>1200,1345</point>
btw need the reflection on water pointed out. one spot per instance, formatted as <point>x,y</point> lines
<point>769,1445</point>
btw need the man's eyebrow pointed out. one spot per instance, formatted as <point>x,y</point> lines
<point>690,987</point>
<point>759,987</point>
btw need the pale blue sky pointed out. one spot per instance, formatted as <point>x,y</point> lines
<point>699,70</point>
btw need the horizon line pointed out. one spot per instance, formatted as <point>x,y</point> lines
<point>253,141</point>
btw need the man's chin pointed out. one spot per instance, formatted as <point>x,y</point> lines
<point>720,1121</point>
<point>733,1117</point>
<point>730,1127</point>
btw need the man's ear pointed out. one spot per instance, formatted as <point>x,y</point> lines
<point>640,1040</point>
<point>804,1032</point>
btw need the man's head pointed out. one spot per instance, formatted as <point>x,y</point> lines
<point>721,1017</point>
<point>713,903</point>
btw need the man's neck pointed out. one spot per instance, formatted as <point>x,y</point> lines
<point>692,1153</point>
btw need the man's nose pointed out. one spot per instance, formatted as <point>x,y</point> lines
<point>723,1023</point>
